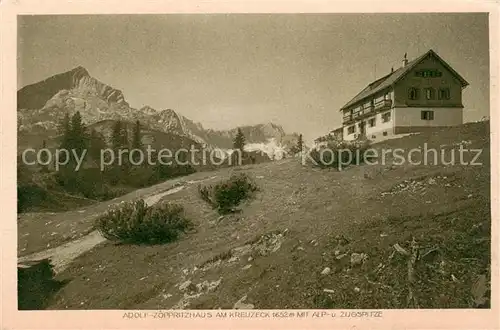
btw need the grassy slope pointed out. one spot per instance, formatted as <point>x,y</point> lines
<point>302,212</point>
<point>42,194</point>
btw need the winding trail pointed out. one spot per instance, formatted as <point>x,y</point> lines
<point>61,256</point>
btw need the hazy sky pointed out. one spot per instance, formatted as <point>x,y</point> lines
<point>229,70</point>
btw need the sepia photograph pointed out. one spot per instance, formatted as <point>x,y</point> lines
<point>254,162</point>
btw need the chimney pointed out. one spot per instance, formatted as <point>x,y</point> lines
<point>405,60</point>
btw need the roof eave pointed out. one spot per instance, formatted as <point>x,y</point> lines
<point>411,66</point>
<point>345,107</point>
<point>457,75</point>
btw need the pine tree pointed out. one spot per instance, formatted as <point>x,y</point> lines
<point>119,141</point>
<point>77,135</point>
<point>124,137</point>
<point>44,157</point>
<point>300,144</point>
<point>238,144</point>
<point>239,141</point>
<point>116,136</point>
<point>64,131</point>
<point>73,137</point>
<point>136,141</point>
<point>73,133</point>
<point>64,175</point>
<point>96,144</point>
<point>136,136</point>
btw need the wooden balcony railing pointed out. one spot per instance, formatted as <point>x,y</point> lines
<point>367,110</point>
<point>383,104</point>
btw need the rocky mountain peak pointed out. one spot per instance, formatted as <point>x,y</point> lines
<point>42,105</point>
<point>168,112</point>
<point>79,72</point>
<point>77,81</point>
<point>171,121</point>
<point>271,127</point>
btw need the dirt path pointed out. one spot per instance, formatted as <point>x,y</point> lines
<point>151,200</point>
<point>61,256</point>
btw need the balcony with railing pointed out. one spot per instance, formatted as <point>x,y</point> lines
<point>382,105</point>
<point>348,116</point>
<point>366,111</point>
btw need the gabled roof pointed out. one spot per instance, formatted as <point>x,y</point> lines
<point>390,79</point>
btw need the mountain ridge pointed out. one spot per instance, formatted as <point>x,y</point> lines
<point>42,105</point>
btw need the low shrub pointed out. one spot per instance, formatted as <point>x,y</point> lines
<point>340,154</point>
<point>135,222</point>
<point>30,195</point>
<point>225,196</point>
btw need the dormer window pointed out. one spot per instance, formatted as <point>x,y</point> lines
<point>428,73</point>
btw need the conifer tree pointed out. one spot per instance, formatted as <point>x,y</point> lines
<point>117,136</point>
<point>64,131</point>
<point>96,144</point>
<point>119,141</point>
<point>124,137</point>
<point>77,135</point>
<point>238,145</point>
<point>74,137</point>
<point>300,144</point>
<point>136,136</point>
<point>44,157</point>
<point>136,141</point>
<point>239,140</point>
